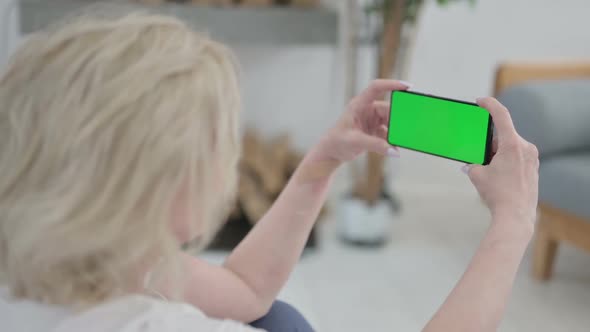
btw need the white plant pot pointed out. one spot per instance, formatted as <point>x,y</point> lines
<point>362,224</point>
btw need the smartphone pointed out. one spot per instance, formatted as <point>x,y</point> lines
<point>443,127</point>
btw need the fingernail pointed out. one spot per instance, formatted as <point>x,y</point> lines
<point>392,153</point>
<point>407,84</point>
<point>465,169</point>
<point>479,100</point>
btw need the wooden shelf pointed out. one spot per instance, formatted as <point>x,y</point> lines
<point>234,25</point>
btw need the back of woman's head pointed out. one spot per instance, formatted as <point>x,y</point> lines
<point>110,128</point>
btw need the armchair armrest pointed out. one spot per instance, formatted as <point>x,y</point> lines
<point>554,115</point>
<point>514,73</point>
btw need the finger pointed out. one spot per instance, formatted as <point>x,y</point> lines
<point>382,108</point>
<point>473,171</point>
<point>500,116</point>
<point>382,132</point>
<point>378,88</point>
<point>385,132</point>
<point>465,168</point>
<point>495,144</point>
<point>377,116</point>
<point>375,123</point>
<point>374,144</point>
<point>494,149</point>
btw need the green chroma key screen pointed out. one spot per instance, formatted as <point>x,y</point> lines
<point>443,127</point>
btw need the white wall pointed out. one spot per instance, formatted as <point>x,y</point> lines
<point>291,89</point>
<point>299,88</point>
<point>456,53</point>
<point>459,47</point>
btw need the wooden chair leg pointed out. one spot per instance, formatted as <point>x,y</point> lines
<point>545,249</point>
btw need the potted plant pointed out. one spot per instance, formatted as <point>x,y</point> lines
<point>365,216</point>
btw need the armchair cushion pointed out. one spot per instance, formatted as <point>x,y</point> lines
<point>564,182</point>
<point>554,115</point>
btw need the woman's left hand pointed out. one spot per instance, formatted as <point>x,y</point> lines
<point>362,128</point>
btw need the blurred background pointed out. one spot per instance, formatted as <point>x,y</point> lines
<point>397,235</point>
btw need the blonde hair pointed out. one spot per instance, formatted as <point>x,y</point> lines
<point>103,123</point>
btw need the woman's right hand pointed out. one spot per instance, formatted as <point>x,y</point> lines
<point>509,185</point>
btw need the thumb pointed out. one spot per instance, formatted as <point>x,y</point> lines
<point>473,171</point>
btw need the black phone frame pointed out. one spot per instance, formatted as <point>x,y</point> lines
<point>489,138</point>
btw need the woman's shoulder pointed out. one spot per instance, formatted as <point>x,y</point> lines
<point>145,314</point>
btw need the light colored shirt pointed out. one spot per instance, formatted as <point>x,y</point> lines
<point>127,314</point>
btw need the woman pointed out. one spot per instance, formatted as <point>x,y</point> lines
<point>119,143</point>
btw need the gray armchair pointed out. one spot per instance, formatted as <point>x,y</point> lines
<point>554,114</point>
